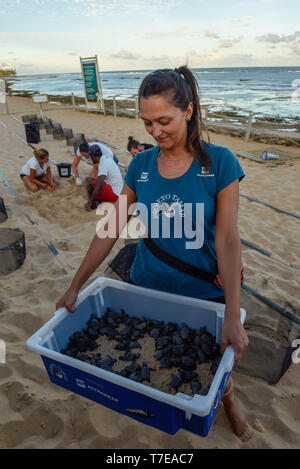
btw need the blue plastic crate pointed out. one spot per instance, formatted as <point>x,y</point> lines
<point>141,402</point>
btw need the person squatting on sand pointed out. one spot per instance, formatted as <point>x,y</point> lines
<point>135,147</point>
<point>83,152</point>
<point>36,172</point>
<point>108,184</point>
<point>182,170</point>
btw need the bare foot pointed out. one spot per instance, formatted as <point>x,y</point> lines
<point>234,414</point>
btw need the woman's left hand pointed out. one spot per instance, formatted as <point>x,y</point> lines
<point>234,334</point>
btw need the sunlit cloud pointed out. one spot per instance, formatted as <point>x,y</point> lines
<point>211,34</point>
<point>125,55</point>
<point>276,38</point>
<point>225,44</point>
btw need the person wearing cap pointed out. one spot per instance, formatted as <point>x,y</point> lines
<point>108,184</point>
<point>83,153</point>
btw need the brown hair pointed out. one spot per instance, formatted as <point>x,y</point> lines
<point>182,88</point>
<point>132,143</point>
<point>41,154</point>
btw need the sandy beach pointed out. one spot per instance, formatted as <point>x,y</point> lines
<point>37,414</point>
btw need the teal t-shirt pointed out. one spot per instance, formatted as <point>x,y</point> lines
<point>180,216</point>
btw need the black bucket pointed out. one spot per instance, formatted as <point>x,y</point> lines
<point>64,170</point>
<point>32,132</point>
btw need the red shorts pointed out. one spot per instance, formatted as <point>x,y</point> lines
<point>106,193</point>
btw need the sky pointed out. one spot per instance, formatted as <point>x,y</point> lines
<point>49,36</point>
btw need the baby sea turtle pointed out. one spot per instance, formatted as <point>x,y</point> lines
<point>176,381</point>
<point>154,333</point>
<point>184,332</point>
<point>132,367</point>
<point>158,354</point>
<point>145,372</point>
<point>195,386</point>
<point>161,342</point>
<point>129,356</point>
<point>201,356</point>
<point>206,339</point>
<point>134,344</point>
<point>178,349</point>
<point>177,340</point>
<point>188,375</point>
<point>187,362</point>
<point>166,362</point>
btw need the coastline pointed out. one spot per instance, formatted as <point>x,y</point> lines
<point>265,130</point>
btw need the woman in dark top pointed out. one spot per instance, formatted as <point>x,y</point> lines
<point>180,173</point>
<point>135,147</point>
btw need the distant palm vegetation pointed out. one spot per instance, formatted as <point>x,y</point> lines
<point>7,72</point>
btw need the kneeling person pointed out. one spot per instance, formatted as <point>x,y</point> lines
<point>109,183</point>
<point>36,173</point>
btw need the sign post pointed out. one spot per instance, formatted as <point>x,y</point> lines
<point>92,84</point>
<point>3,94</point>
<point>40,99</point>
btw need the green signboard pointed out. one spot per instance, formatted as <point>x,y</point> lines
<point>90,81</point>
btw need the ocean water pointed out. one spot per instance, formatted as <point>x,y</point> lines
<point>264,91</point>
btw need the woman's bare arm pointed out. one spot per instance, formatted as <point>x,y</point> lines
<point>228,249</point>
<point>98,250</point>
<point>75,165</point>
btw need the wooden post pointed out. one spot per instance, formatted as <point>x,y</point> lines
<point>41,106</point>
<point>136,107</point>
<point>248,128</point>
<point>73,102</point>
<point>115,106</point>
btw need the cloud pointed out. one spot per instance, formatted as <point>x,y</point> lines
<point>240,19</point>
<point>6,65</point>
<point>25,65</point>
<point>204,56</point>
<point>276,39</point>
<point>225,44</point>
<point>125,55</point>
<point>211,34</point>
<point>73,54</point>
<point>96,8</point>
<point>295,47</point>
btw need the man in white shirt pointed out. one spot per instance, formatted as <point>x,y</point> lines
<point>83,153</point>
<point>109,183</point>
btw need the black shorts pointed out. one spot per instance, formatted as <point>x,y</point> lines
<point>36,177</point>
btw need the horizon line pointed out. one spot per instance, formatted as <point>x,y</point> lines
<point>150,69</point>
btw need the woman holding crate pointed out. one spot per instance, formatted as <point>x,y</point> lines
<point>194,186</point>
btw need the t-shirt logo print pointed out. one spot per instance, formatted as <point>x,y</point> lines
<point>169,210</point>
<point>144,177</point>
